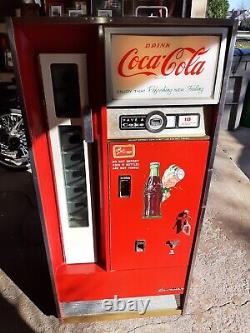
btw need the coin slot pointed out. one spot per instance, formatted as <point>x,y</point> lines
<point>155,121</point>
<point>140,245</point>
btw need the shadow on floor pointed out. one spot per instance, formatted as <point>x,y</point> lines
<point>22,251</point>
<point>12,320</point>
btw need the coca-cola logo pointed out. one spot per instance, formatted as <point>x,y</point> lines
<point>123,151</point>
<point>183,60</point>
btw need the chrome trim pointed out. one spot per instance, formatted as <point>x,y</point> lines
<point>115,133</point>
<point>88,125</point>
<point>155,303</point>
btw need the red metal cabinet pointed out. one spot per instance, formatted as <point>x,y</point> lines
<point>135,256</point>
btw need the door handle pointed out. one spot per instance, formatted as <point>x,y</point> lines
<point>88,125</point>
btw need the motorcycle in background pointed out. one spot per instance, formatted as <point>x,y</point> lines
<point>13,144</point>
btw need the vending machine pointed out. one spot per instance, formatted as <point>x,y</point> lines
<point>123,117</point>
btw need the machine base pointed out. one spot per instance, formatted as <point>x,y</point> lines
<point>120,308</point>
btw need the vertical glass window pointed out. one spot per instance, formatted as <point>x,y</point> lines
<point>66,90</point>
<point>72,151</point>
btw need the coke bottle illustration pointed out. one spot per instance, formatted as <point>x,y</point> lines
<point>153,192</point>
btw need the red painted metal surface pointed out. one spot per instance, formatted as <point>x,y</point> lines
<point>127,221</point>
<point>31,39</point>
<point>153,272</point>
<point>88,282</point>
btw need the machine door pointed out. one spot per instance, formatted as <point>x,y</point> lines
<point>153,217</point>
<point>64,79</point>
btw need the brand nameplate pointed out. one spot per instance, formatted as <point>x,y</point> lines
<point>164,67</point>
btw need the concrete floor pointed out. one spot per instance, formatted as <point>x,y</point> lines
<point>219,300</point>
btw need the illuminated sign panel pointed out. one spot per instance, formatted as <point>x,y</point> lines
<point>156,69</point>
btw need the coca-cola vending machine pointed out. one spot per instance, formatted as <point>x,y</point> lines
<point>122,116</point>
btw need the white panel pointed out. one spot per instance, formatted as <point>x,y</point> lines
<point>78,242</point>
<point>189,121</point>
<point>171,121</point>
